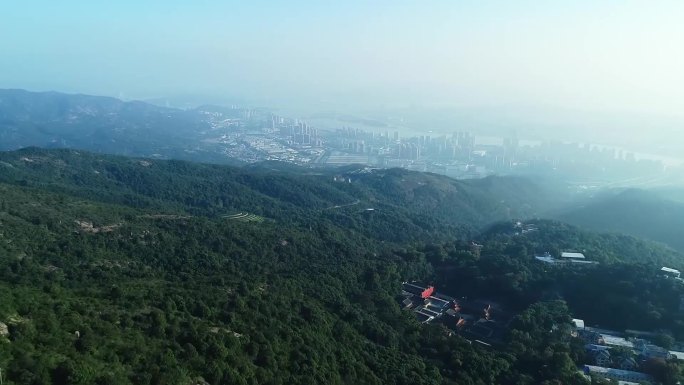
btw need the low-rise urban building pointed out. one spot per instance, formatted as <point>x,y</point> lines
<point>617,374</point>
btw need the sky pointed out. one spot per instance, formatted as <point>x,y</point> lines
<point>578,57</point>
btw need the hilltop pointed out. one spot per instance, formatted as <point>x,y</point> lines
<point>405,205</point>
<point>651,214</point>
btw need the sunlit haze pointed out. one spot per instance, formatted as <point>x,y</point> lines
<point>545,63</point>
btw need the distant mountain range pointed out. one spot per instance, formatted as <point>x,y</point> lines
<point>653,214</point>
<point>101,124</point>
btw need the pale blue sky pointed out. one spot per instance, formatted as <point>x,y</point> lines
<point>586,55</point>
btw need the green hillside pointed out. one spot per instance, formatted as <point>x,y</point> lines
<point>116,294</point>
<point>132,271</point>
<point>655,215</point>
<point>406,205</point>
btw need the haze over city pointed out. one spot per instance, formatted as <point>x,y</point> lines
<point>552,62</point>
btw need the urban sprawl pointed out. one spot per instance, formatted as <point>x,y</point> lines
<point>255,135</point>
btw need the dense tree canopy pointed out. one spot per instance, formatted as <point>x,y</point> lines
<point>138,277</point>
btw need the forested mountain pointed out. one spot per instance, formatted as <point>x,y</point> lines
<point>144,291</point>
<point>135,271</point>
<point>94,293</point>
<point>672,193</point>
<point>392,205</point>
<point>651,214</point>
<point>101,124</point>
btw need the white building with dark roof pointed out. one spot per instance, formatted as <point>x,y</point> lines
<point>617,374</point>
<point>424,318</point>
<point>546,259</point>
<point>614,341</point>
<point>437,302</point>
<point>572,255</point>
<point>648,350</point>
<point>670,272</point>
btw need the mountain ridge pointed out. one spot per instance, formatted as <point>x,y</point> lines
<point>102,124</point>
<point>422,202</point>
<point>647,214</point>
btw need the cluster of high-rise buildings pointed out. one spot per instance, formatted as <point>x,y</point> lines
<point>407,151</point>
<point>299,133</point>
<point>457,154</point>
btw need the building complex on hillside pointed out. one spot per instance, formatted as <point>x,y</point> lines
<point>617,374</point>
<point>566,258</point>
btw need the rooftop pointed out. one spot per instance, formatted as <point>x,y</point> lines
<point>437,302</point>
<point>610,372</point>
<point>595,348</point>
<point>602,331</point>
<point>572,255</point>
<point>582,262</point>
<point>444,297</point>
<point>427,312</point>
<point>414,287</point>
<point>546,259</point>
<point>616,341</point>
<point>423,318</point>
<point>436,309</point>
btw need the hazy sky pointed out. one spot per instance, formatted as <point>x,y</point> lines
<point>599,55</point>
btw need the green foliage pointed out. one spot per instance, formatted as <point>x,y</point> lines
<point>408,206</point>
<point>117,272</point>
<point>104,293</point>
<point>648,214</point>
<point>625,279</point>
